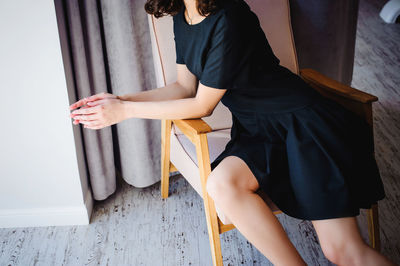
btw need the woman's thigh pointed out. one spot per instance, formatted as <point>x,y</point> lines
<point>234,172</point>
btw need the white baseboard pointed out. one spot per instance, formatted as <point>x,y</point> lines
<point>55,216</point>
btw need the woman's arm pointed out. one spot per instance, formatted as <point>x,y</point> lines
<point>199,106</point>
<point>170,109</point>
<point>183,99</point>
<point>169,92</point>
<point>107,112</point>
<point>184,87</point>
<point>179,100</point>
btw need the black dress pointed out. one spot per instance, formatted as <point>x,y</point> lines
<point>312,157</point>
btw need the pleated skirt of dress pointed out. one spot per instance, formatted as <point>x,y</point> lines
<point>315,162</point>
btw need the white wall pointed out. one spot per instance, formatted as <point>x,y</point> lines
<point>40,183</point>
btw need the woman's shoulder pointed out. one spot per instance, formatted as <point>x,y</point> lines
<point>232,10</point>
<point>234,7</point>
<point>235,17</point>
<point>176,15</point>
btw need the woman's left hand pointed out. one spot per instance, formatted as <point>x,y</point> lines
<point>100,113</point>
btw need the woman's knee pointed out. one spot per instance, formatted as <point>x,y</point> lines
<point>340,240</point>
<point>230,177</point>
<point>221,184</point>
<point>343,253</point>
<point>331,251</point>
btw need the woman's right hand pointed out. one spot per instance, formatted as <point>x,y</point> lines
<point>99,96</point>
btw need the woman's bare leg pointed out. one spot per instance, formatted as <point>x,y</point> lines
<point>232,186</point>
<point>342,243</point>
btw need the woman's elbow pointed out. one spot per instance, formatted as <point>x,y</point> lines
<point>208,111</point>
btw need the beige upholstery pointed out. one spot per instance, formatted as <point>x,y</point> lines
<point>280,37</point>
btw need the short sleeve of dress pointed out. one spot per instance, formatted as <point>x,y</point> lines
<point>225,56</point>
<point>178,52</point>
<point>179,57</point>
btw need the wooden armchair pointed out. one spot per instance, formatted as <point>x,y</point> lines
<point>189,145</point>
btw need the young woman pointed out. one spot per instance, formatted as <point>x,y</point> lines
<point>311,156</point>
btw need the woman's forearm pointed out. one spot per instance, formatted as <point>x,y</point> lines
<point>170,109</point>
<point>170,92</point>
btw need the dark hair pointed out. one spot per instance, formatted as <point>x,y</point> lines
<point>160,8</point>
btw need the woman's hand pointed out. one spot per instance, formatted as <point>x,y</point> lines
<point>100,113</point>
<point>99,96</point>
<point>84,101</point>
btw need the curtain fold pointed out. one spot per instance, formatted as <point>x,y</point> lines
<point>109,50</point>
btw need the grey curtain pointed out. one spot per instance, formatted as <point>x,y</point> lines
<point>106,48</point>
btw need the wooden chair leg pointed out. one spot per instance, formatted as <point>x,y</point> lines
<point>165,156</point>
<point>203,158</point>
<point>373,227</point>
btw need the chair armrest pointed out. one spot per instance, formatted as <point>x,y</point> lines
<point>323,83</point>
<point>192,127</point>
